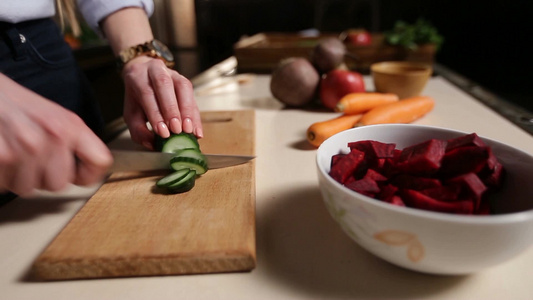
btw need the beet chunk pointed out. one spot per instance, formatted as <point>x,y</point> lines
<point>418,183</point>
<point>387,192</point>
<point>374,149</point>
<point>466,140</point>
<point>347,165</point>
<point>422,158</point>
<point>418,200</point>
<point>469,159</point>
<point>495,178</point>
<point>443,193</point>
<point>365,186</point>
<point>335,158</point>
<point>375,175</point>
<point>397,200</point>
<point>471,187</point>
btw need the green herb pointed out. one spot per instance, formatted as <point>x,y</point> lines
<point>412,35</point>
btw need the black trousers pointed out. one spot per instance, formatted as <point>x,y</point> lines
<point>35,55</point>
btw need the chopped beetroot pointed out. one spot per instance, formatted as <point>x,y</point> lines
<point>492,161</point>
<point>464,141</point>
<point>451,176</point>
<point>381,163</point>
<point>335,158</point>
<point>374,175</point>
<point>364,186</point>
<point>396,200</point>
<point>469,159</point>
<point>374,149</point>
<point>492,172</point>
<point>443,193</point>
<point>418,183</point>
<point>349,179</point>
<point>495,177</point>
<point>471,187</point>
<point>423,158</point>
<point>347,165</point>
<point>416,199</point>
<point>387,192</point>
<point>397,153</point>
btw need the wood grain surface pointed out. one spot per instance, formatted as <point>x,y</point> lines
<point>129,228</point>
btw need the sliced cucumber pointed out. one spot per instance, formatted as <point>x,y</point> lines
<point>191,153</point>
<point>177,142</point>
<point>188,162</point>
<point>172,178</point>
<point>184,162</point>
<point>184,184</point>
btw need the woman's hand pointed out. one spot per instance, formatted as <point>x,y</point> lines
<point>43,145</point>
<point>154,93</point>
<point>160,96</point>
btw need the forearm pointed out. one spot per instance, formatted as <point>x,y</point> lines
<point>126,27</point>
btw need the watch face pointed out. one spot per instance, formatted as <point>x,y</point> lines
<point>163,50</point>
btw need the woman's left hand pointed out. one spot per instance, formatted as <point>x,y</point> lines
<point>160,96</point>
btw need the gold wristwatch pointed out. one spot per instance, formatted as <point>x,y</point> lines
<point>153,48</point>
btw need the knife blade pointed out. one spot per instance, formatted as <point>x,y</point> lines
<point>125,160</point>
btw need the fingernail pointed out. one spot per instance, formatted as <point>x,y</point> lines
<point>187,125</point>
<point>199,132</point>
<point>162,130</point>
<point>175,125</point>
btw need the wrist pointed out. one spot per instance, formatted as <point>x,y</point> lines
<point>154,49</point>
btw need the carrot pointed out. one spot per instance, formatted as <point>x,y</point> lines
<point>403,111</point>
<point>357,103</point>
<point>318,132</point>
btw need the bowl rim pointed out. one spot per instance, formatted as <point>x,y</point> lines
<point>426,214</point>
<point>378,67</point>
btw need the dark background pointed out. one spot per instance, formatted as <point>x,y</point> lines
<point>485,41</point>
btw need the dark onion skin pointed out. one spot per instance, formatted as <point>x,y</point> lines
<point>294,82</point>
<point>328,54</point>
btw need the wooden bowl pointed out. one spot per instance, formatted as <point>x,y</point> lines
<point>403,78</point>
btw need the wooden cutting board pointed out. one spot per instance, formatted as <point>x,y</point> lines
<point>128,228</point>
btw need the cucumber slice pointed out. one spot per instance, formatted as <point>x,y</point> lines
<point>184,162</point>
<point>191,153</point>
<point>176,142</point>
<point>184,184</point>
<point>172,178</point>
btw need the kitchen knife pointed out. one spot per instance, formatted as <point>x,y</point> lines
<point>125,160</point>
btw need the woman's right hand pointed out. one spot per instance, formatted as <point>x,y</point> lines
<point>43,145</point>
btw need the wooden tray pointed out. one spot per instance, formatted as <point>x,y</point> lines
<point>260,53</point>
<point>128,229</point>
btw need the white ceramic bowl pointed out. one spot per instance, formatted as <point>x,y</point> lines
<point>428,241</point>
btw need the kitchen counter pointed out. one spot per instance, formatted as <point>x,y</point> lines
<point>301,252</point>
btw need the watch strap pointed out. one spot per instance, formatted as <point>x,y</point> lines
<point>145,49</point>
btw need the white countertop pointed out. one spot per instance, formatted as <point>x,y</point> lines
<point>301,252</point>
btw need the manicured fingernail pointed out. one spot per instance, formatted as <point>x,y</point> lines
<point>187,125</point>
<point>199,132</point>
<point>175,125</point>
<point>162,130</point>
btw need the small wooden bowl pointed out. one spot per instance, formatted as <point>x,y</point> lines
<point>403,78</point>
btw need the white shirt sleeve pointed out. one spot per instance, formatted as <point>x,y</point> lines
<point>96,10</point>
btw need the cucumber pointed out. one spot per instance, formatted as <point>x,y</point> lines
<point>184,162</point>
<point>176,142</point>
<point>184,184</point>
<point>188,162</point>
<point>191,153</point>
<point>172,178</point>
